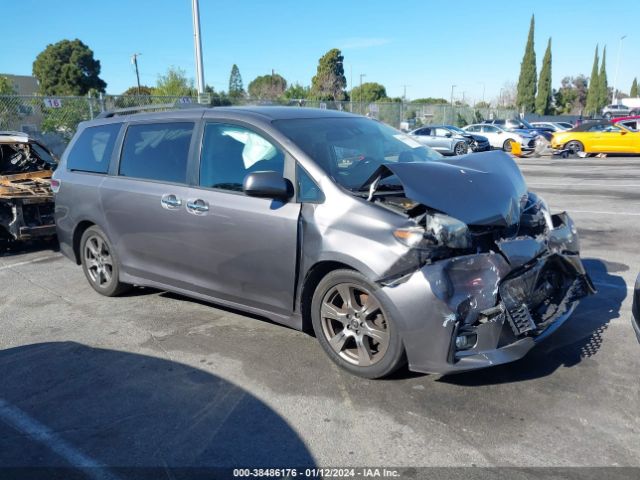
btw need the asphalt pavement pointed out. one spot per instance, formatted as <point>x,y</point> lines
<point>156,379</point>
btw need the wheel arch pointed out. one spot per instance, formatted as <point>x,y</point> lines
<point>313,277</point>
<point>81,227</point>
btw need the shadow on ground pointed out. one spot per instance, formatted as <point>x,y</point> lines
<point>62,402</point>
<point>579,338</point>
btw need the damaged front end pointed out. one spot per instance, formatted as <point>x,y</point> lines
<point>488,273</point>
<point>26,199</point>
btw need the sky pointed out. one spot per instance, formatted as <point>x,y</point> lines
<point>426,45</point>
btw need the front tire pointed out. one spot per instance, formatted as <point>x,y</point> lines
<point>100,263</point>
<point>574,146</point>
<point>353,325</point>
<point>506,146</point>
<point>461,148</point>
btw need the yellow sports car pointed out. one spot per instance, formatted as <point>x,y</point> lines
<point>598,137</point>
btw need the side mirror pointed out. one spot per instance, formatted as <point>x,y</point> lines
<point>267,184</point>
<point>623,132</point>
<point>448,135</point>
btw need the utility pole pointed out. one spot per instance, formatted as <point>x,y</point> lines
<point>134,60</point>
<point>197,44</point>
<point>615,79</point>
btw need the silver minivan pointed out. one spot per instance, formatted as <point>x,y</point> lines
<point>327,222</point>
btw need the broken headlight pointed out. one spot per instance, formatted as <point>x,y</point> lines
<point>439,231</point>
<point>536,214</point>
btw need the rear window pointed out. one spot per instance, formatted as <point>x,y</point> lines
<point>92,151</point>
<point>157,151</point>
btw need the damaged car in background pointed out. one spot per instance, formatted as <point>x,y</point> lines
<point>327,221</point>
<point>26,200</point>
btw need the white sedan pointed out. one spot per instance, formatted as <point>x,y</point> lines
<point>555,126</point>
<point>501,138</point>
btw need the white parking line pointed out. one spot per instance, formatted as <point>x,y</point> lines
<point>40,433</point>
<point>28,262</point>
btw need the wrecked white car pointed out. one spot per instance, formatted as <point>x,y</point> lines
<point>26,200</point>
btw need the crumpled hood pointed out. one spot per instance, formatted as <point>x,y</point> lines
<point>479,189</point>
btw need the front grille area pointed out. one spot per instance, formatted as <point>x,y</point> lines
<point>538,296</point>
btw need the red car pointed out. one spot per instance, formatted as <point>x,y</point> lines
<point>632,122</point>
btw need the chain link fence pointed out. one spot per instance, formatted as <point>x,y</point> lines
<point>54,120</point>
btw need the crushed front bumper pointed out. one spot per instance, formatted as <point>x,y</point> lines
<point>476,311</point>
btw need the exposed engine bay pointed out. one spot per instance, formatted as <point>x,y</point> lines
<point>26,199</point>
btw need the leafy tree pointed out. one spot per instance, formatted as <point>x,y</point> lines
<point>297,92</point>
<point>543,100</point>
<point>174,83</point>
<point>526,96</point>
<point>430,101</point>
<point>267,87</point>
<point>477,116</point>
<point>603,87</point>
<point>64,120</point>
<point>329,81</point>
<point>634,88</point>
<point>369,92</point>
<point>6,87</point>
<point>482,105</point>
<point>571,97</point>
<point>591,107</point>
<point>460,120</point>
<point>8,110</point>
<point>236,89</point>
<point>68,68</point>
<point>133,91</point>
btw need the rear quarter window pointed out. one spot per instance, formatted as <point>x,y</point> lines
<point>92,150</point>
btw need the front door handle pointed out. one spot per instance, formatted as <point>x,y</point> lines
<point>170,201</point>
<point>198,206</point>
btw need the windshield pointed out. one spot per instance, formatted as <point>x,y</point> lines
<point>351,149</point>
<point>456,129</point>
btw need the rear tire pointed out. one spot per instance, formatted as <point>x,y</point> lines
<point>100,263</point>
<point>352,323</point>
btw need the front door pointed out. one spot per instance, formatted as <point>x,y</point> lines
<point>242,249</point>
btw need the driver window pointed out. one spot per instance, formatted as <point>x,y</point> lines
<point>230,153</point>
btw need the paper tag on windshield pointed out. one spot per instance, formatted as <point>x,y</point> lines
<point>407,140</point>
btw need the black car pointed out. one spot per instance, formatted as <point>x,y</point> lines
<point>523,125</point>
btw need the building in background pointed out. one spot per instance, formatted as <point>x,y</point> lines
<point>23,84</point>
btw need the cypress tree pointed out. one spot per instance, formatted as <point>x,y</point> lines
<point>634,88</point>
<point>543,100</point>
<point>526,96</point>
<point>591,107</point>
<point>236,89</point>
<point>603,86</point>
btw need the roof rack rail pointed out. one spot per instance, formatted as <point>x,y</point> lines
<point>143,108</point>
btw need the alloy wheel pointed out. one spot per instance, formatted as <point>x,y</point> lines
<point>98,261</point>
<point>461,148</point>
<point>574,146</point>
<point>354,324</point>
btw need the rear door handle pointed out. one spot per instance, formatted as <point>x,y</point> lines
<point>170,201</point>
<point>198,206</point>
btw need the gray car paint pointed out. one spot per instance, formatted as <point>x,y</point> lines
<point>257,254</point>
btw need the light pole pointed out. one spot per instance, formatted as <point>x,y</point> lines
<point>197,45</point>
<point>615,78</point>
<point>483,85</point>
<point>361,75</point>
<point>501,99</point>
